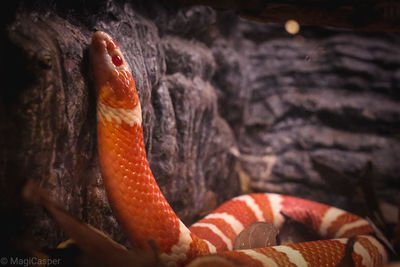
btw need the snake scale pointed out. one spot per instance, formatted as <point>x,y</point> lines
<point>144,214</point>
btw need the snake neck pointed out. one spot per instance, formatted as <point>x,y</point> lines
<point>133,193</point>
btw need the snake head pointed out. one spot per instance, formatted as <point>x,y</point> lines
<point>113,81</point>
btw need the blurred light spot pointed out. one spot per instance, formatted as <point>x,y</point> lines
<point>292,26</point>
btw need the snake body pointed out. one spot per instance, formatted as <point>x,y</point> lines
<point>144,214</point>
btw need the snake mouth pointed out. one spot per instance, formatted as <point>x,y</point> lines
<point>113,81</point>
<point>103,41</point>
<point>106,57</point>
<point>108,50</point>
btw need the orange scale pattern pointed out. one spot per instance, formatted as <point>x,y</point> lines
<point>373,250</point>
<point>264,204</point>
<point>221,224</point>
<point>280,258</point>
<point>321,253</point>
<point>207,234</point>
<point>305,211</point>
<point>360,230</point>
<point>339,222</point>
<point>197,248</point>
<point>237,207</point>
<point>326,253</point>
<point>129,184</point>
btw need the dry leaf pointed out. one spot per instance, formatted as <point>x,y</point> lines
<point>98,248</point>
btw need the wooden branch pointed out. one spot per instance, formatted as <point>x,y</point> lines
<point>366,15</point>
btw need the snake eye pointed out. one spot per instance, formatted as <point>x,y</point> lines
<point>117,60</point>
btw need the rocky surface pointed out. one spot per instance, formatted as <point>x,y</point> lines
<point>229,106</point>
<point>320,98</point>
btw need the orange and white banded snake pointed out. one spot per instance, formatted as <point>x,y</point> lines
<point>144,214</point>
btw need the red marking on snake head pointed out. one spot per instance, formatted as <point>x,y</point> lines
<point>117,60</point>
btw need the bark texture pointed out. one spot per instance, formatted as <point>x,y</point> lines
<point>229,106</point>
